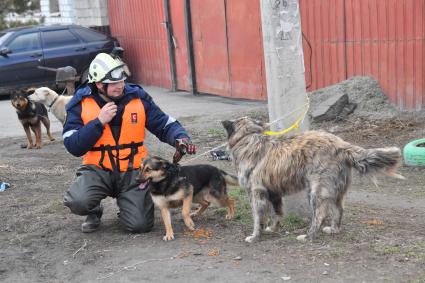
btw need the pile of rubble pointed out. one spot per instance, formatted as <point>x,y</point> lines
<point>358,97</point>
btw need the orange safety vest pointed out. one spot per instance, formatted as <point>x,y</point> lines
<point>108,154</point>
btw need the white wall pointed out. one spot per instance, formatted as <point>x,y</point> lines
<point>24,18</point>
<point>91,12</point>
<point>81,12</point>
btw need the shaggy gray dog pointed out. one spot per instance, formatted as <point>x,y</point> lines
<point>270,167</point>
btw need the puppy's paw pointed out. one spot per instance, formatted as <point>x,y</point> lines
<point>330,230</point>
<point>189,224</point>
<point>168,237</point>
<point>251,239</point>
<point>302,238</point>
<point>229,216</point>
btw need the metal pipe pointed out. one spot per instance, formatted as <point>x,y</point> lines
<point>189,42</point>
<point>169,27</point>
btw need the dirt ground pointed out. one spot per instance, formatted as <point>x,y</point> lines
<point>383,236</point>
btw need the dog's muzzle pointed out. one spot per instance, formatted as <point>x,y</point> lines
<point>144,185</point>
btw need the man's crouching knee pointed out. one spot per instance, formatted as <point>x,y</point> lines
<point>139,226</point>
<point>77,206</point>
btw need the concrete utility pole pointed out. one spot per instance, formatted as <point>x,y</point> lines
<point>284,62</point>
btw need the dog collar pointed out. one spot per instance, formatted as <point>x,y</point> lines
<point>54,100</point>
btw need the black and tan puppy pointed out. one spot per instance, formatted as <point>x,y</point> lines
<point>172,185</point>
<point>31,115</point>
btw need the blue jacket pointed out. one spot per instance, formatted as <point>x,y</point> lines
<point>79,138</point>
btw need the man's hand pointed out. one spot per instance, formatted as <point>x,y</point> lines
<point>183,146</point>
<point>107,113</point>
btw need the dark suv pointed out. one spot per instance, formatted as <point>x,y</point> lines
<point>23,50</point>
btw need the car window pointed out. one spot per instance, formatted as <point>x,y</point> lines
<point>25,42</point>
<point>4,36</point>
<point>57,38</point>
<point>90,35</point>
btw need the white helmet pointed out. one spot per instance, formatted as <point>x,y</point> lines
<point>106,69</point>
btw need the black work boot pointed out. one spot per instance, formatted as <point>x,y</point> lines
<point>92,222</point>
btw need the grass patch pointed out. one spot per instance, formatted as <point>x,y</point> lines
<point>292,222</point>
<point>348,236</point>
<point>221,210</point>
<point>243,213</point>
<point>55,206</point>
<point>420,279</point>
<point>338,252</point>
<point>216,133</point>
<point>413,251</point>
<point>387,250</point>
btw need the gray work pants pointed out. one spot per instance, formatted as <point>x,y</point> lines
<point>92,184</point>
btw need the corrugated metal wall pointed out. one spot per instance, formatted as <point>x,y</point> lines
<point>384,39</point>
<point>245,48</point>
<point>180,42</point>
<point>228,49</point>
<point>139,27</point>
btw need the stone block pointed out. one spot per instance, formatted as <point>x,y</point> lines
<point>330,108</point>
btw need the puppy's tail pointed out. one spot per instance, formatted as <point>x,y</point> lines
<point>229,178</point>
<point>377,160</point>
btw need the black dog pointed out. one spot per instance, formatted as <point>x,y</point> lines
<point>173,185</point>
<point>31,115</point>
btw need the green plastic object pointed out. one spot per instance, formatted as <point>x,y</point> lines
<point>414,153</point>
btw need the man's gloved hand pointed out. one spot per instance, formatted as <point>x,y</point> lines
<point>183,146</point>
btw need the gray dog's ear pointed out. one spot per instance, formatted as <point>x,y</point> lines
<point>228,125</point>
<point>261,123</point>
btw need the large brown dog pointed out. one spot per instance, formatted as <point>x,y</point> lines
<point>51,99</point>
<point>270,167</point>
<point>172,185</point>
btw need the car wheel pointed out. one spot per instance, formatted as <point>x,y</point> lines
<point>414,153</point>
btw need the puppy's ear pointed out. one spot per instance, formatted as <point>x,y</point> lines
<point>229,126</point>
<point>165,164</point>
<point>29,91</point>
<point>145,160</point>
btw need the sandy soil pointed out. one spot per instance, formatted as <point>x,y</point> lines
<point>383,237</point>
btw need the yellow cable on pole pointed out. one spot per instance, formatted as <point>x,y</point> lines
<point>295,125</point>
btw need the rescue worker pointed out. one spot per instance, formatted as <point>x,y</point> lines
<point>105,124</point>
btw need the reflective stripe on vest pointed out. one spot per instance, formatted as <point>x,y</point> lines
<point>132,131</point>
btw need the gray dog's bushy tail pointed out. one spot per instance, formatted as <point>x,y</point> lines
<point>377,160</point>
<point>230,179</point>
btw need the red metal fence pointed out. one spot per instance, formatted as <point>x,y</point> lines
<point>228,49</point>
<point>227,44</point>
<point>139,27</point>
<point>384,39</point>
